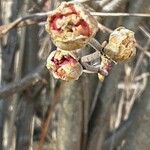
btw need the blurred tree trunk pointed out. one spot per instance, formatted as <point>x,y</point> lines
<point>9,10</point>
<point>138,135</point>
<point>70,117</point>
<point>25,121</point>
<point>74,113</point>
<point>99,123</point>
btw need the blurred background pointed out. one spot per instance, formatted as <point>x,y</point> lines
<point>38,112</point>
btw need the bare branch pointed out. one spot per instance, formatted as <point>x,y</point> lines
<point>24,21</point>
<point>23,84</point>
<point>144,31</point>
<point>40,17</point>
<point>102,14</point>
<point>118,135</point>
<point>113,5</point>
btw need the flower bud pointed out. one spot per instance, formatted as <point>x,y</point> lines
<point>121,45</point>
<point>106,66</point>
<point>64,65</point>
<point>71,26</point>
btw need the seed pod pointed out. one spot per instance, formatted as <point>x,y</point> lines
<point>121,45</point>
<point>64,65</point>
<point>71,26</point>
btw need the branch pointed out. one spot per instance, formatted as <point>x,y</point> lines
<point>144,31</point>
<point>24,21</point>
<point>23,84</point>
<point>40,17</point>
<point>100,118</point>
<point>101,48</point>
<point>118,135</point>
<point>113,5</point>
<point>102,14</point>
<point>70,117</point>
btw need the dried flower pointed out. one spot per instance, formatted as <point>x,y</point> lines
<point>121,45</point>
<point>64,65</point>
<point>71,26</point>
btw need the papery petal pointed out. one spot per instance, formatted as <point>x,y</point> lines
<point>71,26</point>
<point>64,65</point>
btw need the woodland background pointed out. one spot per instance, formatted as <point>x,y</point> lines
<point>41,113</point>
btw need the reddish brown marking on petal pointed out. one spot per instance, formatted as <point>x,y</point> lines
<point>57,16</point>
<point>82,25</point>
<point>84,28</point>
<point>54,20</point>
<point>67,59</point>
<point>72,10</point>
<point>71,7</point>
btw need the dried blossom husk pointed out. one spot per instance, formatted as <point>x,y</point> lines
<point>121,45</point>
<point>64,65</point>
<point>67,35</point>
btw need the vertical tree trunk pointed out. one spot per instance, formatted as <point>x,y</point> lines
<point>25,122</point>
<point>74,113</point>
<point>70,117</point>
<point>100,120</point>
<point>9,44</point>
<point>138,135</point>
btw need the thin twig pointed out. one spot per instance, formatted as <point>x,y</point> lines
<point>143,50</point>
<point>32,19</point>
<point>142,76</point>
<point>94,101</point>
<point>144,31</point>
<point>102,14</point>
<point>96,45</point>
<point>39,17</point>
<point>118,135</point>
<point>45,128</point>
<point>139,61</point>
<point>113,5</point>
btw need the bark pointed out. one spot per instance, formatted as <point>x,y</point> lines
<point>1,104</point>
<point>25,122</point>
<point>70,122</point>
<point>75,113</point>
<point>99,123</point>
<point>9,45</point>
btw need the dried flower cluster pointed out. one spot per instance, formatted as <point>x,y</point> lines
<point>71,27</point>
